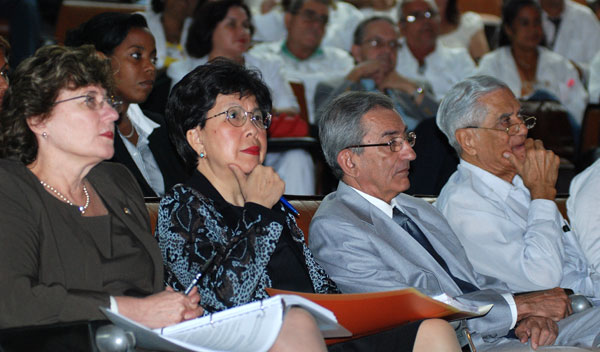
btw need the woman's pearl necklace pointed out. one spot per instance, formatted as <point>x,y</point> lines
<point>82,209</point>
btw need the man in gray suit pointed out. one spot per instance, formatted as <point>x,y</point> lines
<point>371,237</point>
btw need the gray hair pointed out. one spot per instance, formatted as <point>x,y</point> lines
<point>359,33</point>
<point>294,6</point>
<point>341,125</point>
<point>431,3</point>
<point>461,106</point>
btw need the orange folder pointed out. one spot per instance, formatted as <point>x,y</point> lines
<point>367,313</point>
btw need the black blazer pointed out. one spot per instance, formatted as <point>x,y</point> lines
<point>169,163</point>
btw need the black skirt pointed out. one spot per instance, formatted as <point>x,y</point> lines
<point>400,338</point>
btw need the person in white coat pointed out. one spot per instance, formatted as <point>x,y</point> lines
<point>572,30</point>
<point>529,69</point>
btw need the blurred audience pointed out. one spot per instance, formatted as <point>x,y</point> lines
<point>343,19</point>
<point>169,22</point>
<point>301,54</point>
<point>572,30</point>
<point>532,71</point>
<point>462,30</point>
<point>375,50</point>
<point>421,57</point>
<point>142,143</point>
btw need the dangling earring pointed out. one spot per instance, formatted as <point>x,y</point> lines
<point>202,155</point>
<point>44,134</point>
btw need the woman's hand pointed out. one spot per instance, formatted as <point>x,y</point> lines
<point>161,309</point>
<point>261,186</point>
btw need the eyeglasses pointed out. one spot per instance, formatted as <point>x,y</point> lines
<point>237,116</point>
<point>93,104</point>
<point>511,130</point>
<point>4,72</point>
<point>395,144</point>
<point>380,43</point>
<point>413,17</point>
<point>312,17</point>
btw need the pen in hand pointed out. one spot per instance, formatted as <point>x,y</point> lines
<point>199,275</point>
<point>289,206</point>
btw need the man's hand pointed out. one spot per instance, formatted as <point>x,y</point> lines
<point>539,331</point>
<point>366,69</point>
<point>553,304</point>
<point>539,170</point>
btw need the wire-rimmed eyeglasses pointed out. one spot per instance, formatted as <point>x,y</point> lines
<point>93,104</point>
<point>5,72</point>
<point>395,144</point>
<point>511,130</point>
<point>237,117</point>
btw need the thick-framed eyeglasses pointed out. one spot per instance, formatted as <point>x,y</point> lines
<point>4,72</point>
<point>92,102</point>
<point>395,144</point>
<point>421,15</point>
<point>237,117</point>
<point>380,43</point>
<point>512,130</point>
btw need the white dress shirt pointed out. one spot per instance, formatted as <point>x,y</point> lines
<point>339,33</point>
<point>582,208</point>
<point>157,30</point>
<point>271,72</point>
<point>525,243</point>
<point>554,74</point>
<point>325,64</point>
<point>594,82</point>
<point>578,35</point>
<point>388,209</point>
<point>443,68</point>
<point>141,153</point>
<point>470,23</point>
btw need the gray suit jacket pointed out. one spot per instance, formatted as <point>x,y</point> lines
<point>362,249</point>
<point>52,270</point>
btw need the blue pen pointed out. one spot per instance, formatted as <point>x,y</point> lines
<point>289,206</point>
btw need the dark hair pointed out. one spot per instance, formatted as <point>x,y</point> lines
<point>105,31</point>
<point>452,15</point>
<point>34,87</point>
<point>158,6</point>
<point>359,32</point>
<point>197,92</point>
<point>208,16</point>
<point>5,47</point>
<point>294,6</point>
<point>510,11</point>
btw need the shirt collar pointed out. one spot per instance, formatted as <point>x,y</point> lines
<point>498,185</point>
<point>288,53</point>
<point>386,208</point>
<point>144,126</point>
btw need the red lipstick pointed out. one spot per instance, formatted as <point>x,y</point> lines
<point>254,150</point>
<point>108,134</point>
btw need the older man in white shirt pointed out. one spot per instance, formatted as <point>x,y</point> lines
<point>422,56</point>
<point>500,200</point>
